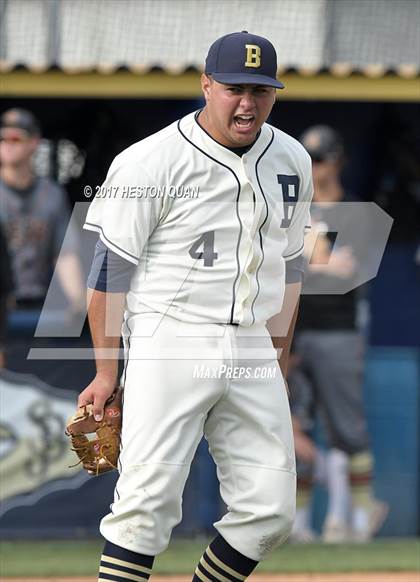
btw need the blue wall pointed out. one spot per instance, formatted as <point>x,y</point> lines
<point>395,299</point>
<point>393,407</point>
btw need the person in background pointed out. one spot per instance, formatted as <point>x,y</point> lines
<point>34,214</point>
<point>329,354</point>
<point>6,288</point>
<point>310,458</point>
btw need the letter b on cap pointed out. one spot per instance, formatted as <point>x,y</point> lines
<point>253,56</point>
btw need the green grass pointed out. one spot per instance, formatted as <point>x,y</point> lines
<point>64,558</point>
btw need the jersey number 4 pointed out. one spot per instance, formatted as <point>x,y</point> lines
<point>207,253</point>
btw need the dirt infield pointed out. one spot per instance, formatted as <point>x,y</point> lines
<point>349,577</point>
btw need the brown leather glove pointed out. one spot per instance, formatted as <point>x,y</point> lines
<point>97,443</point>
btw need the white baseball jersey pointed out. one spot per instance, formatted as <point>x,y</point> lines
<point>209,231</point>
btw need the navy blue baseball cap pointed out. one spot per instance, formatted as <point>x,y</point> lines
<point>242,58</point>
<point>17,118</point>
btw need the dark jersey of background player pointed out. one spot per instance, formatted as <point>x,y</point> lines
<point>35,220</point>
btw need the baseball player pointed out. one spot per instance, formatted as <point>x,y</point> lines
<point>201,225</point>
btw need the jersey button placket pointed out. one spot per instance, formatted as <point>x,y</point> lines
<point>244,167</point>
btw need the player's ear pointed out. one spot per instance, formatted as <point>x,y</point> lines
<point>206,82</point>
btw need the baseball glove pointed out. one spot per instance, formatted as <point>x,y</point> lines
<point>97,443</point>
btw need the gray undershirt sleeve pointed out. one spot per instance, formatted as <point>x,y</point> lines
<point>109,272</point>
<point>295,270</point>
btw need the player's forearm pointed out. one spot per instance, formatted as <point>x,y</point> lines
<point>105,314</point>
<point>286,344</point>
<point>282,326</point>
<point>70,275</point>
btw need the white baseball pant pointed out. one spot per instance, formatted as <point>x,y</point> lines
<point>181,381</point>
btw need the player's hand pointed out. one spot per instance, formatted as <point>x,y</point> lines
<point>75,310</point>
<point>342,263</point>
<point>304,446</point>
<point>97,393</point>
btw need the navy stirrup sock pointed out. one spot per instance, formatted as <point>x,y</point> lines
<point>120,565</point>
<point>222,562</point>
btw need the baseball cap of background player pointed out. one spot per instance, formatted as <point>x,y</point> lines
<point>242,58</point>
<point>20,119</point>
<point>323,143</point>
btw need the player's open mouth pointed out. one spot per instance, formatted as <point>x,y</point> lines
<point>243,121</point>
